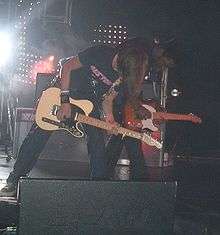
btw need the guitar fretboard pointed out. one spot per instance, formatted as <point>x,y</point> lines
<point>172,116</point>
<point>144,137</point>
<point>94,122</point>
<point>121,130</point>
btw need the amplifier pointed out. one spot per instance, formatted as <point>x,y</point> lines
<point>43,81</point>
<point>95,207</point>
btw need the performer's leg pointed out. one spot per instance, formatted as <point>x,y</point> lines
<point>135,155</point>
<point>115,143</point>
<point>96,151</point>
<point>29,152</point>
<point>95,138</point>
<point>113,150</point>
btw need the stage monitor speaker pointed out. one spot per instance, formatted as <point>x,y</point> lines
<point>24,119</point>
<point>95,207</point>
<point>43,81</point>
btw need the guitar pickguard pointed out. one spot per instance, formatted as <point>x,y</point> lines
<point>48,107</point>
<point>148,123</point>
<point>75,130</point>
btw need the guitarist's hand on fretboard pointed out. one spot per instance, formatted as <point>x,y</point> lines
<point>109,118</point>
<point>142,113</point>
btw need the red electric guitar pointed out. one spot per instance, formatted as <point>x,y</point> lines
<point>157,116</point>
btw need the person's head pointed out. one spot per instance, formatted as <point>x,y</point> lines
<point>133,64</point>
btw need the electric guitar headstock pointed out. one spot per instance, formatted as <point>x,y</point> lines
<point>194,118</point>
<point>151,141</point>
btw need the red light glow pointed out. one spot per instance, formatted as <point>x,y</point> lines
<point>43,66</point>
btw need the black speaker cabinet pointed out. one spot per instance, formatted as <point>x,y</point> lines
<point>69,207</point>
<point>43,81</point>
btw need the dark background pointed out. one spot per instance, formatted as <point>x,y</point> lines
<point>195,27</point>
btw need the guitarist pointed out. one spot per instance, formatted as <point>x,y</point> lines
<point>108,77</point>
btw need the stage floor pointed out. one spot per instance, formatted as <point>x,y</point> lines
<point>198,192</point>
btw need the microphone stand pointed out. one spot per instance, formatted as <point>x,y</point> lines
<point>163,99</point>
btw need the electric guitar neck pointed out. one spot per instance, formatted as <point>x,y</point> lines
<point>176,117</point>
<point>120,130</point>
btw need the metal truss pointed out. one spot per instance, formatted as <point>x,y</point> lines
<point>57,11</point>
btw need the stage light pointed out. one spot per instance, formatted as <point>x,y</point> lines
<point>5,48</point>
<point>175,92</point>
<point>111,34</point>
<point>51,58</point>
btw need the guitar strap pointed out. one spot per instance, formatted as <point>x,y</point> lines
<point>106,95</point>
<point>114,88</point>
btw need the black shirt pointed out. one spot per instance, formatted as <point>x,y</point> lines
<point>97,75</point>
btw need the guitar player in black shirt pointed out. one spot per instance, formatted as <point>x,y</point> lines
<point>108,77</point>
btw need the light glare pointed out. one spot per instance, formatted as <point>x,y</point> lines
<point>5,48</point>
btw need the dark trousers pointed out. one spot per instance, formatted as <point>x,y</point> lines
<point>36,140</point>
<point>133,148</point>
<point>102,160</point>
<point>135,155</point>
<point>29,152</point>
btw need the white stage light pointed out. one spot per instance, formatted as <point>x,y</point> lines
<point>175,92</point>
<point>5,48</point>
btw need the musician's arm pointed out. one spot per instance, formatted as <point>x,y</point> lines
<point>107,106</point>
<point>71,64</point>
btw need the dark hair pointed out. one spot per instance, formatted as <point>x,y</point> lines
<point>132,64</point>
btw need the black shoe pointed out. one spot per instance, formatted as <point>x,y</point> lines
<point>10,190</point>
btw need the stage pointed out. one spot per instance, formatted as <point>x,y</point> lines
<point>197,209</point>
